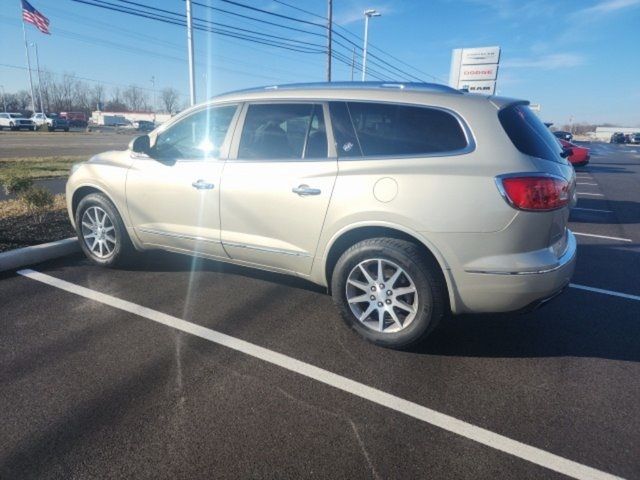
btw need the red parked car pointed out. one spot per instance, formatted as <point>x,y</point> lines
<point>580,155</point>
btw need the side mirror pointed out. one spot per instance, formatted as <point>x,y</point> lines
<point>141,144</point>
<point>566,152</point>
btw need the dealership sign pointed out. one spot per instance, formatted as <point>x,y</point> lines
<point>486,87</point>
<point>475,69</point>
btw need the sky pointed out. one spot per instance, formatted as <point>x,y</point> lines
<point>579,59</point>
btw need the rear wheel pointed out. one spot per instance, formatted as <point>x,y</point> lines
<point>389,292</point>
<point>101,231</point>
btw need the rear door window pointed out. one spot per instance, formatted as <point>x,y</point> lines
<point>283,131</point>
<point>528,134</point>
<point>384,129</point>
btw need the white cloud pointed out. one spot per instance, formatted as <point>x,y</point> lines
<point>608,6</point>
<point>552,61</point>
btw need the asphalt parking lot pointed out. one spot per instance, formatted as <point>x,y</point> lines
<point>180,368</point>
<point>75,142</point>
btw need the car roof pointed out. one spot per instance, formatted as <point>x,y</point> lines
<point>402,92</point>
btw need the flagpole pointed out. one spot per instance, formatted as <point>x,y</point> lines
<point>26,49</point>
<point>39,78</point>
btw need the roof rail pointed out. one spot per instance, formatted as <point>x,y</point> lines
<point>430,87</point>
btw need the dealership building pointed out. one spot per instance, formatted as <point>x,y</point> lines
<point>99,117</point>
<point>604,133</point>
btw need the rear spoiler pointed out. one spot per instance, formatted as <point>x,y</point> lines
<point>504,102</point>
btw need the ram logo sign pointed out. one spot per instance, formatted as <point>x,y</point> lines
<point>475,69</point>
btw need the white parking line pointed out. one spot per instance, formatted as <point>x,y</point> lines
<point>591,194</point>
<point>592,210</point>
<point>406,407</point>
<point>586,183</point>
<point>606,292</point>
<point>603,236</point>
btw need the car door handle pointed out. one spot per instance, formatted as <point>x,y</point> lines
<point>305,190</point>
<point>202,185</point>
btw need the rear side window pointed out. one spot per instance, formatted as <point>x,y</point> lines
<point>528,134</point>
<point>387,130</point>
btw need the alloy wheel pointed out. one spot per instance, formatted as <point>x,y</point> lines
<point>382,295</point>
<point>98,232</point>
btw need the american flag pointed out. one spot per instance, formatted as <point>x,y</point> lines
<point>33,16</point>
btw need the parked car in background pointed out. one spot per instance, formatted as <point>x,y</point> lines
<point>369,190</point>
<point>567,136</point>
<point>618,137</point>
<point>578,156</point>
<point>16,121</point>
<point>75,119</point>
<point>144,125</point>
<point>634,137</point>
<point>53,121</point>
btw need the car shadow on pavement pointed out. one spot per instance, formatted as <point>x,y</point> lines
<point>159,261</point>
<point>577,323</point>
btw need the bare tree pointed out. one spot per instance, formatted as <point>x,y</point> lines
<point>135,98</point>
<point>116,103</point>
<point>18,101</point>
<point>169,98</point>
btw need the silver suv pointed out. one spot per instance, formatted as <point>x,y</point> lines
<point>408,201</point>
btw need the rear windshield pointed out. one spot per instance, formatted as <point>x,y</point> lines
<point>528,133</point>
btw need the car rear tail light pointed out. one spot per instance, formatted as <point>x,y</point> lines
<point>534,192</point>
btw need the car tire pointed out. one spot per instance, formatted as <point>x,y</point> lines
<point>420,276</point>
<point>88,217</point>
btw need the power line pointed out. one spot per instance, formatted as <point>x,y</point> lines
<point>93,80</point>
<point>371,45</point>
<point>209,22</point>
<point>248,17</point>
<point>178,22</point>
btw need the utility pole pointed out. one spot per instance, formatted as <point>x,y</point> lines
<point>153,93</point>
<point>4,101</point>
<point>35,45</point>
<point>26,49</point>
<point>192,73</point>
<point>329,35</point>
<point>353,62</point>
<point>367,15</point>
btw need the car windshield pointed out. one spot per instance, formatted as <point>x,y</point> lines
<point>15,115</point>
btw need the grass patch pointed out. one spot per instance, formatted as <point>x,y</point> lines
<point>18,208</point>
<point>39,167</point>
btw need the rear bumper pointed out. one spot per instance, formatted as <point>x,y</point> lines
<point>508,291</point>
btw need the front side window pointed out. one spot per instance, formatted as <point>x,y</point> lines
<point>388,129</point>
<point>283,131</point>
<point>198,136</point>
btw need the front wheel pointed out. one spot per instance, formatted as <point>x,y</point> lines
<point>389,292</point>
<point>101,231</point>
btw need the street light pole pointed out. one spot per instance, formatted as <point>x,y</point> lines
<point>192,73</point>
<point>367,15</point>
<point>35,45</point>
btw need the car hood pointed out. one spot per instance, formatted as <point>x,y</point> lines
<point>115,158</point>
